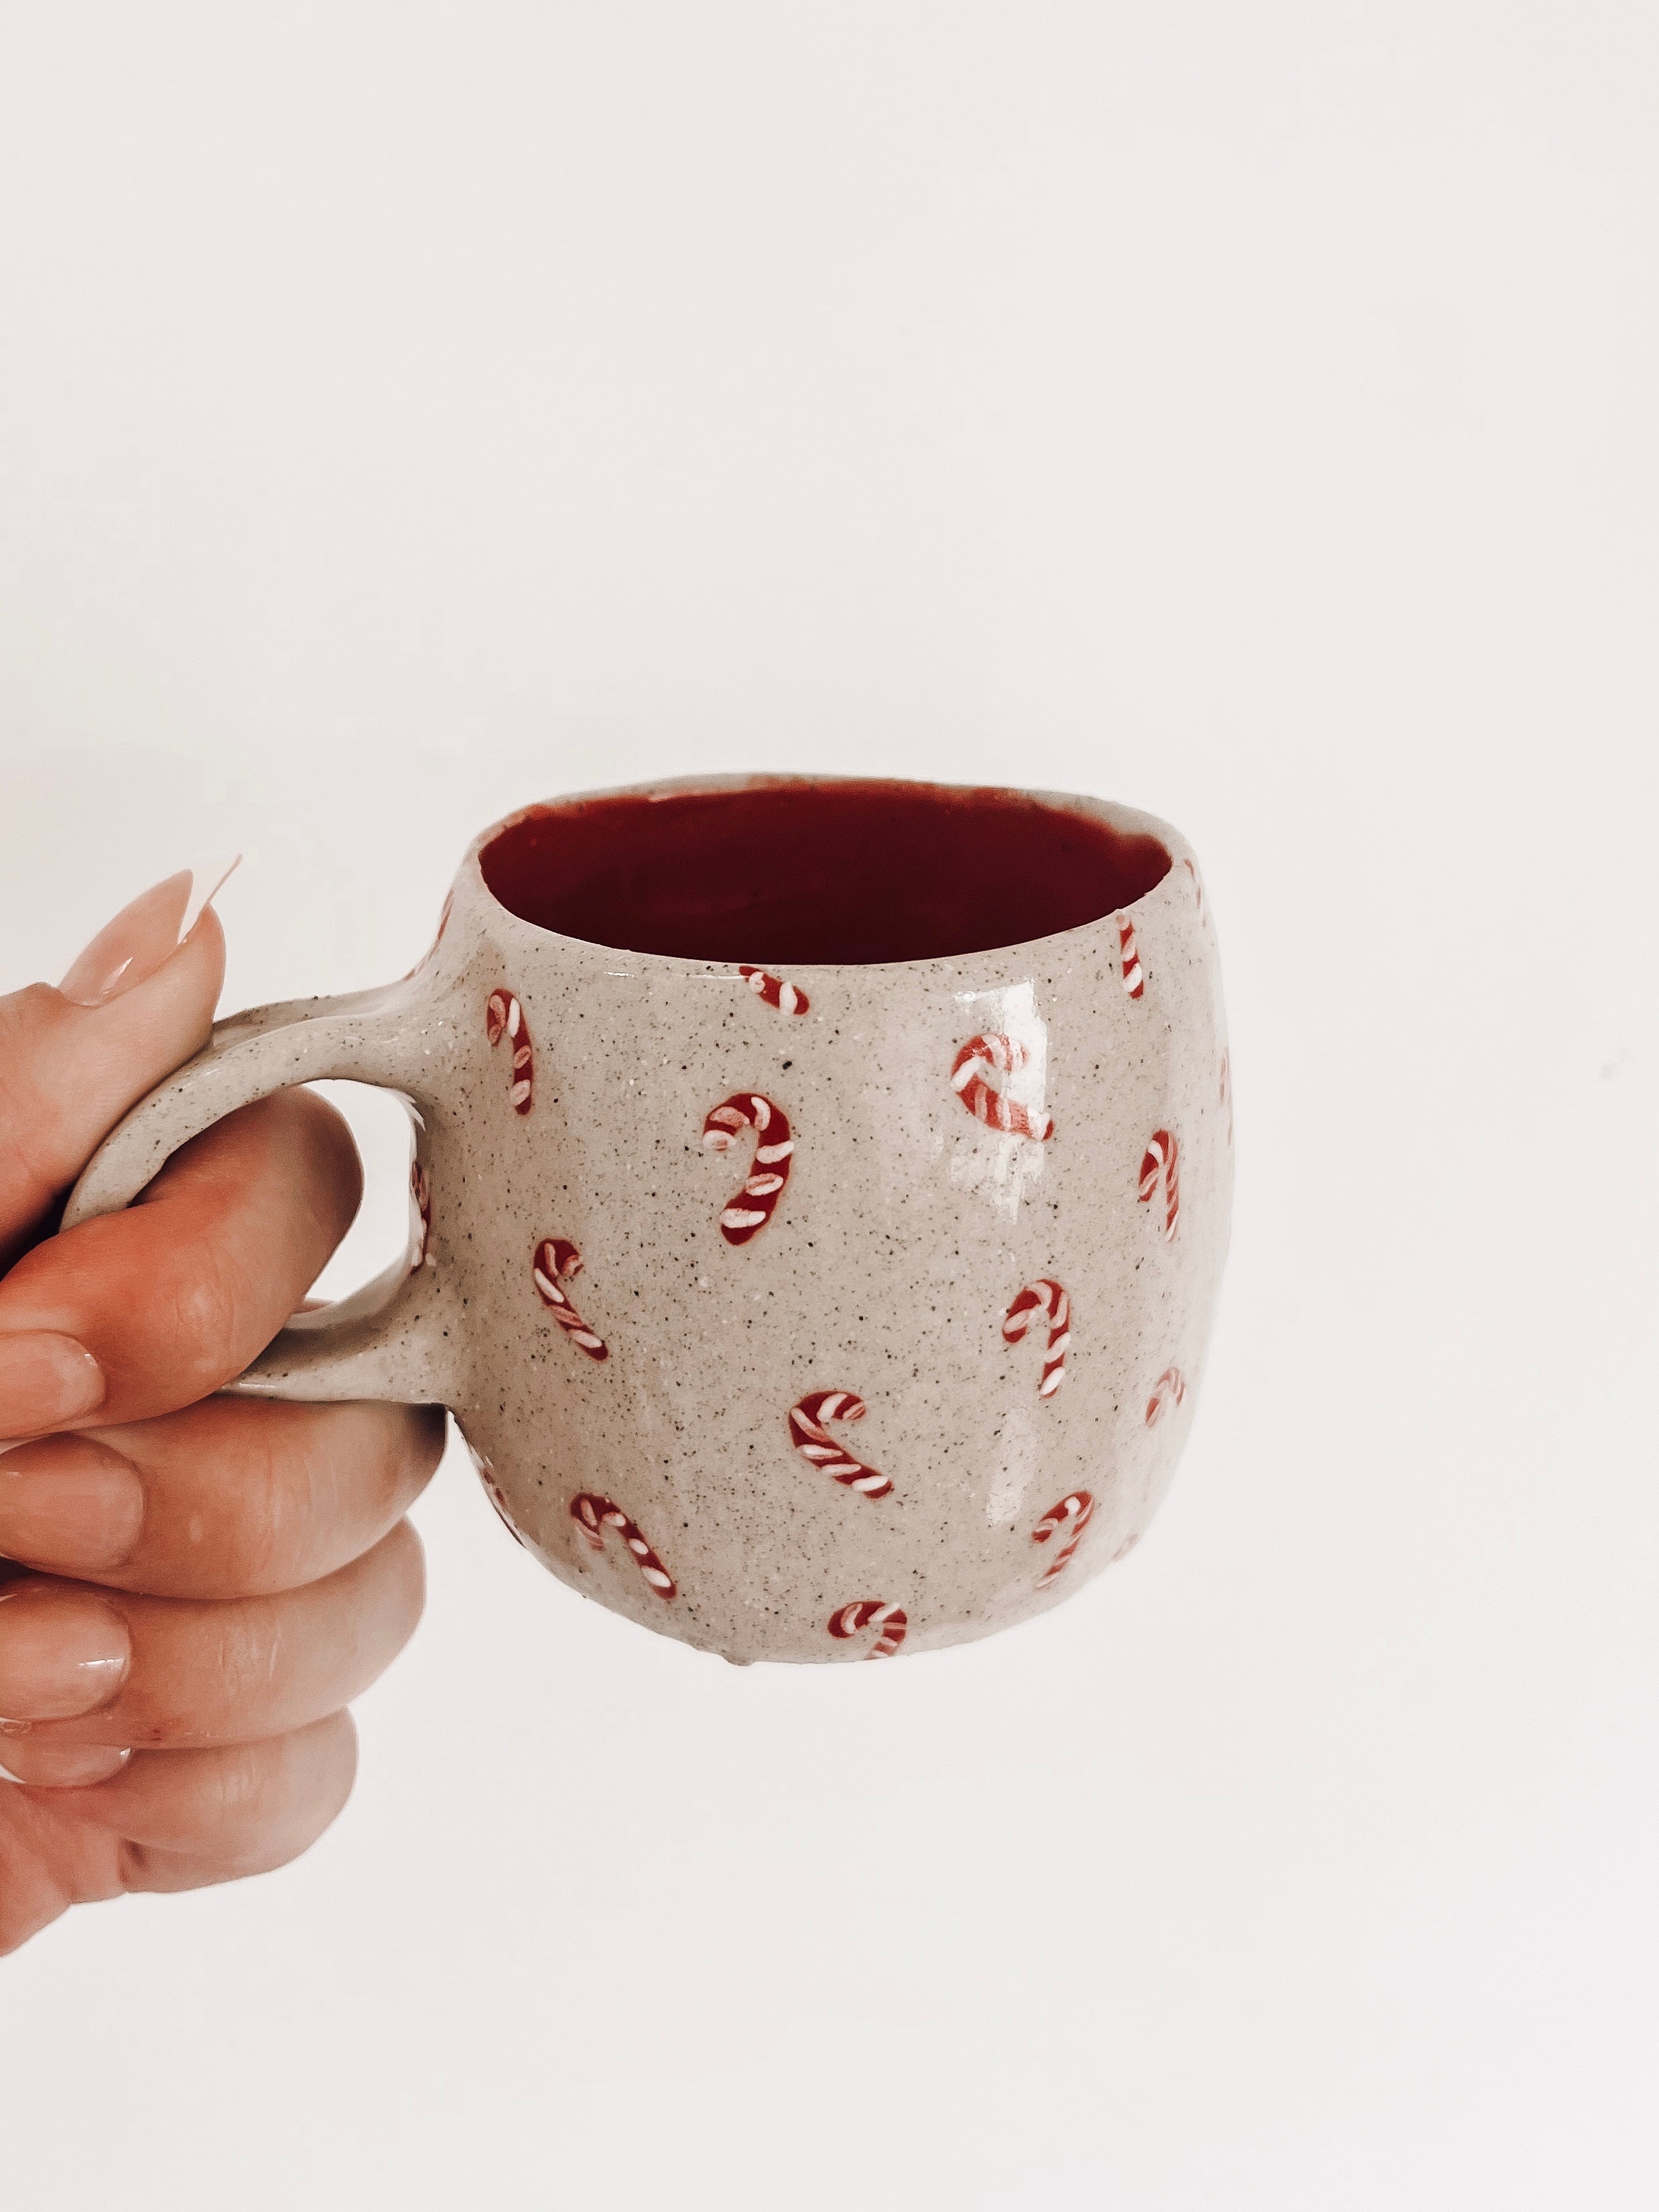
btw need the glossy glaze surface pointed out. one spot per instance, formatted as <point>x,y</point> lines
<point>981,1198</point>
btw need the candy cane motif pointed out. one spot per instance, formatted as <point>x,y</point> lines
<point>556,1260</point>
<point>981,1057</point>
<point>443,924</point>
<point>1160,1162</point>
<point>773,991</point>
<point>1067,1520</point>
<point>1224,1090</point>
<point>1046,1298</point>
<point>1170,1389</point>
<point>814,1442</point>
<point>420,1192</point>
<point>870,1613</point>
<point>754,1205</point>
<point>593,1515</point>
<point>1128,959</point>
<point>504,1018</point>
<point>1198,883</point>
<point>493,1492</point>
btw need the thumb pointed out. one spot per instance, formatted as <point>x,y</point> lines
<point>136,1003</point>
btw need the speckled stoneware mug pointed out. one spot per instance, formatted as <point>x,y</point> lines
<point>888,1126</point>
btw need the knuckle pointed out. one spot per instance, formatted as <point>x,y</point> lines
<point>280,1795</point>
<point>29,1018</point>
<point>247,1656</point>
<point>200,1315</point>
<point>269,1534</point>
<point>239,1787</point>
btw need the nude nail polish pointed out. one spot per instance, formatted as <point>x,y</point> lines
<point>68,1505</point>
<point>63,1652</point>
<point>46,1379</point>
<point>60,1765</point>
<point>146,932</point>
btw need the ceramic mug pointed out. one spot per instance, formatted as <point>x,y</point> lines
<point>820,1192</point>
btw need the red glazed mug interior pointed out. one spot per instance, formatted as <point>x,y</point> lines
<point>829,873</point>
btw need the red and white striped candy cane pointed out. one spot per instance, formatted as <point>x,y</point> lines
<point>504,1018</point>
<point>493,1492</point>
<point>420,1192</point>
<point>870,1613</point>
<point>814,1442</point>
<point>1128,958</point>
<point>773,991</point>
<point>1191,867</point>
<point>1224,1090</point>
<point>1067,1521</point>
<point>593,1515</point>
<point>555,1260</point>
<point>1161,1163</point>
<point>983,1057</point>
<point>1168,1390</point>
<point>1046,1298</point>
<point>443,924</point>
<point>754,1205</point>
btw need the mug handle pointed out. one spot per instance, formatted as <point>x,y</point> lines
<point>397,1338</point>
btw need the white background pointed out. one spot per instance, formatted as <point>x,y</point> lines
<point>409,411</point>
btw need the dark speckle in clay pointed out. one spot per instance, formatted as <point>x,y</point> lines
<point>973,1224</point>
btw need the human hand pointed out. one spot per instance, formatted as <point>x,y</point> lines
<point>193,1589</point>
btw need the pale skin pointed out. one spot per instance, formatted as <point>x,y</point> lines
<point>192,1587</point>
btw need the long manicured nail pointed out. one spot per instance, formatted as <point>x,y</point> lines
<point>46,1379</point>
<point>144,934</point>
<point>69,1506</point>
<point>59,1766</point>
<point>63,1652</point>
<point>206,884</point>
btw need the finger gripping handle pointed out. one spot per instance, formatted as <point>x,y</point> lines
<point>388,1340</point>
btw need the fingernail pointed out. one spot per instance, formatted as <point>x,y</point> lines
<point>206,884</point>
<point>60,1765</point>
<point>68,1505</point>
<point>63,1652</point>
<point>45,1378</point>
<point>144,934</point>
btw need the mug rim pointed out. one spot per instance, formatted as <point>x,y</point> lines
<point>1127,820</point>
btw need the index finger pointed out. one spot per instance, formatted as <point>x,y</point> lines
<point>176,1295</point>
<point>69,1070</point>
